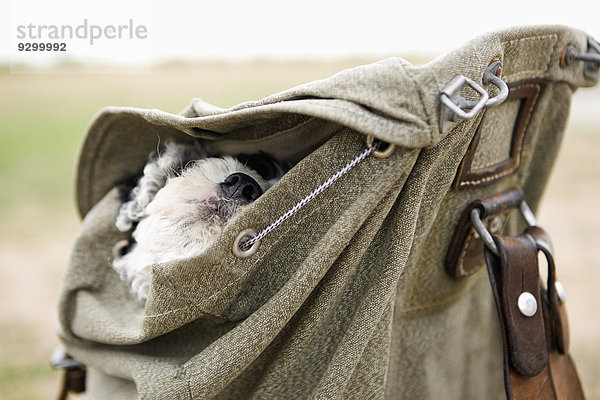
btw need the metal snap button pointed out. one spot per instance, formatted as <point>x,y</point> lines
<point>560,291</point>
<point>527,304</point>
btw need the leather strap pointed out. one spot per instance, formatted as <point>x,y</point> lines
<point>536,363</point>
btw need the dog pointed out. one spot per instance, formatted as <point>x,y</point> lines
<point>181,204</point>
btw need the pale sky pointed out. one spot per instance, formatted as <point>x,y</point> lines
<point>232,30</point>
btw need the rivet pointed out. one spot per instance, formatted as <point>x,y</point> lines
<point>560,291</point>
<point>527,304</point>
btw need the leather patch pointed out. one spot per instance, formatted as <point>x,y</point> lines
<point>469,176</point>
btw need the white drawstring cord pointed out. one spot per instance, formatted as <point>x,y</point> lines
<point>248,243</point>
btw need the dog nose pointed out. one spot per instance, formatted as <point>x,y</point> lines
<point>241,187</point>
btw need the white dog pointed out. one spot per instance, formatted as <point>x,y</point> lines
<point>181,204</point>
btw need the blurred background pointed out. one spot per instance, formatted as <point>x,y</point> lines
<point>227,53</point>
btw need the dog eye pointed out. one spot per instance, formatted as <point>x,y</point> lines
<point>266,170</point>
<point>264,166</point>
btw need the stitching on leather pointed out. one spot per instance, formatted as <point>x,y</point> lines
<point>489,178</point>
<point>514,167</point>
<point>470,240</point>
<point>465,248</point>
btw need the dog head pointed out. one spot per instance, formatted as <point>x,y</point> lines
<point>182,203</point>
<point>193,207</point>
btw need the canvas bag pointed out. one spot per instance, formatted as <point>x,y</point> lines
<point>348,298</point>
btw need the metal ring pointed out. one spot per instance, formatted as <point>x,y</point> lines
<point>244,236</point>
<point>492,75</point>
<point>527,214</point>
<point>567,56</point>
<point>60,359</point>
<point>117,250</point>
<point>484,234</point>
<point>388,151</point>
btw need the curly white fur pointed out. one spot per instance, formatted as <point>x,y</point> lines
<point>178,215</point>
<point>156,172</point>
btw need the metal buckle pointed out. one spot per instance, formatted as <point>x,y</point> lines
<point>61,360</point>
<point>486,236</point>
<point>454,101</point>
<point>454,105</point>
<point>492,75</point>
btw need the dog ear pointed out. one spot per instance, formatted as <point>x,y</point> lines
<point>166,163</point>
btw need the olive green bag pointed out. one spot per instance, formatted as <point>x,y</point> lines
<point>365,292</point>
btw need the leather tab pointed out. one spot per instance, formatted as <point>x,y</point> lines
<point>519,274</point>
<point>465,253</point>
<point>557,311</point>
<point>520,380</point>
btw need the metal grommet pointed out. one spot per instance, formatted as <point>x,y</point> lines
<point>242,238</point>
<point>567,56</point>
<point>120,249</point>
<point>527,304</point>
<point>498,72</point>
<point>386,152</point>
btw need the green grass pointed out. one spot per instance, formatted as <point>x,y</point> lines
<point>43,116</point>
<point>29,381</point>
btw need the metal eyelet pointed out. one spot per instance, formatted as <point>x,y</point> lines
<point>242,238</point>
<point>120,249</point>
<point>386,152</point>
<point>567,56</point>
<point>497,67</point>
